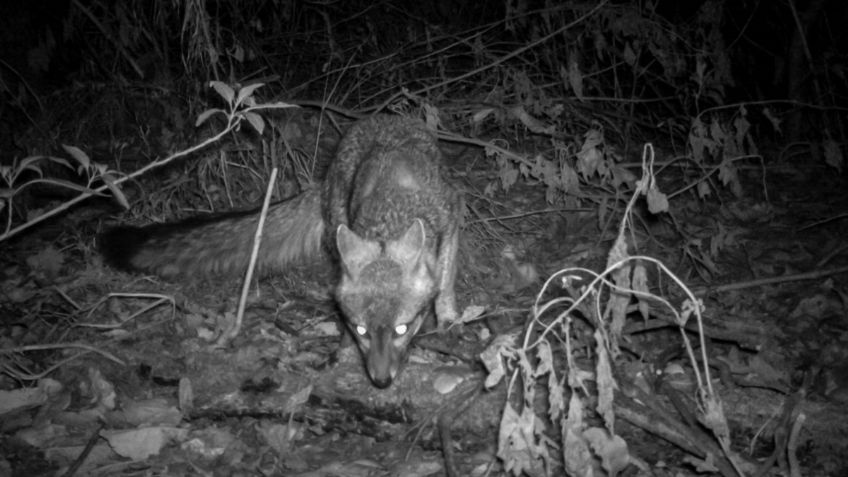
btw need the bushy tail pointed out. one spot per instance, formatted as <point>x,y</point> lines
<point>221,244</point>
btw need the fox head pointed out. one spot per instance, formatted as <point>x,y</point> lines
<point>385,292</point>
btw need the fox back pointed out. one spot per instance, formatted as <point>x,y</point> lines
<point>396,221</point>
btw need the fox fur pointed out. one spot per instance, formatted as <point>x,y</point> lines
<point>386,214</point>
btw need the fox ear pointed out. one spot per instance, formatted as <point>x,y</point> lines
<point>409,247</point>
<point>355,251</point>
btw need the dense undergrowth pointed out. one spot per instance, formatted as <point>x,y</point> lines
<point>112,100</point>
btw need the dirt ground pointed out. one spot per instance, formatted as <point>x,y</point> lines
<point>128,379</point>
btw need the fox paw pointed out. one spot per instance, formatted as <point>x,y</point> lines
<point>446,312</point>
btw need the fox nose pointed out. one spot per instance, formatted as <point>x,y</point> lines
<point>382,382</point>
<point>381,371</point>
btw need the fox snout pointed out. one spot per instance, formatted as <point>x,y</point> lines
<point>384,348</point>
<point>383,357</point>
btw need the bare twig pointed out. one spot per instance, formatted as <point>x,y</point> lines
<point>770,281</point>
<point>448,419</point>
<point>234,329</point>
<point>92,441</point>
<point>824,221</point>
<point>792,445</point>
<point>41,347</point>
<point>159,300</point>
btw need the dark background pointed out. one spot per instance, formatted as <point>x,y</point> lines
<point>643,63</point>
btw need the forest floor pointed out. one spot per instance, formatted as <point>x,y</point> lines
<point>127,379</point>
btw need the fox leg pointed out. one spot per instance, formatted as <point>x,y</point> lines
<point>446,312</point>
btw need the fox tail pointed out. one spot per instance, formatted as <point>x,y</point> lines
<point>221,244</point>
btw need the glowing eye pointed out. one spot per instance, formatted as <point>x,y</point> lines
<point>361,330</point>
<point>401,329</point>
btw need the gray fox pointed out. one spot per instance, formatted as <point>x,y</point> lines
<point>385,213</point>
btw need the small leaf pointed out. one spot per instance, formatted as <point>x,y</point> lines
<point>703,189</point>
<point>577,456</point>
<point>36,168</point>
<point>256,121</point>
<point>48,260</point>
<point>248,91</point>
<point>471,313</point>
<point>29,163</point>
<point>833,155</point>
<point>774,120</point>
<point>185,394</point>
<point>503,345</point>
<point>529,121</point>
<point>296,401</point>
<point>145,412</point>
<point>493,364</point>
<point>238,54</point>
<point>223,90</point>
<point>18,400</point>
<point>546,359</point>
<point>629,55</point>
<point>60,161</point>
<point>202,117</point>
<point>140,444</point>
<point>68,185</point>
<point>448,378</point>
<point>657,201</point>
<point>117,193</point>
<point>702,465</point>
<point>612,449</point>
<point>575,77</point>
<point>481,115</point>
<point>640,284</point>
<point>78,154</point>
<point>605,381</point>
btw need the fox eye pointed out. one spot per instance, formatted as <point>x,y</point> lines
<point>361,330</point>
<point>401,329</point>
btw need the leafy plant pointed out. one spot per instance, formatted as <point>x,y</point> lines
<point>242,106</point>
<point>18,177</point>
<point>544,358</point>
